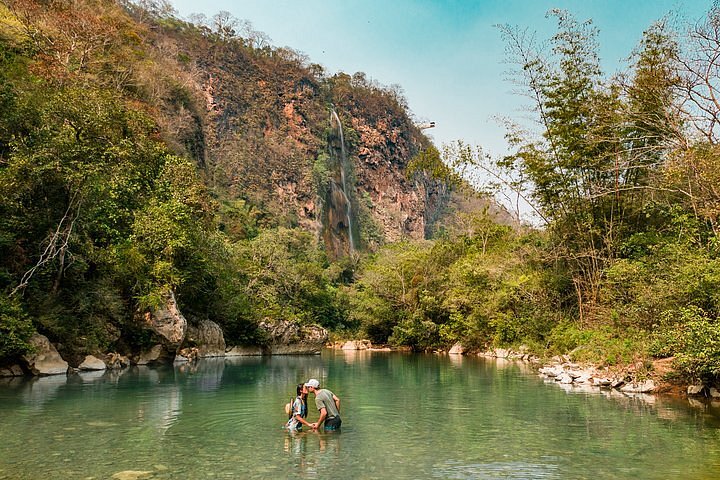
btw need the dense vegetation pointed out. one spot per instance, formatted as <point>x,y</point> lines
<point>109,197</point>
<point>622,173</point>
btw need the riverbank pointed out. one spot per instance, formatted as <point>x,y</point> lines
<point>638,378</point>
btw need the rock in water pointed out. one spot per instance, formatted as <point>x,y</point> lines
<point>131,475</point>
<point>643,387</point>
<point>46,360</point>
<point>695,389</point>
<point>92,363</point>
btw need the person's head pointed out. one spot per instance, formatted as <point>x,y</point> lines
<point>301,389</point>
<point>312,385</point>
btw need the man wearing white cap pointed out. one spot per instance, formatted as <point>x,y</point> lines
<point>328,404</point>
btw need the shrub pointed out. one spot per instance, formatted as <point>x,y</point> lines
<point>693,338</point>
<point>15,329</point>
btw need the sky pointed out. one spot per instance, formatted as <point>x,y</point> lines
<point>447,55</point>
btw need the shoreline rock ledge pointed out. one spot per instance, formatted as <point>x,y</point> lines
<point>291,338</point>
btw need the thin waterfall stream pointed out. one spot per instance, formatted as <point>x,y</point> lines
<point>343,182</point>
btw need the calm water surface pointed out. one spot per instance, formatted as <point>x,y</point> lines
<point>404,416</point>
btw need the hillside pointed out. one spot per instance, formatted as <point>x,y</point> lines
<point>147,160</point>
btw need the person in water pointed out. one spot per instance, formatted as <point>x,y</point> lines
<point>299,410</point>
<point>328,404</point>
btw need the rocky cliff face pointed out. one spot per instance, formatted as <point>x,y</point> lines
<point>258,121</point>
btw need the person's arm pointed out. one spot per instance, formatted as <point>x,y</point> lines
<point>323,414</point>
<point>337,402</point>
<point>302,420</point>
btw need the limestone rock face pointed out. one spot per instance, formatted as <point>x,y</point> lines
<point>92,363</point>
<point>208,338</point>
<point>456,349</point>
<point>291,338</point>
<point>167,322</point>
<point>46,360</point>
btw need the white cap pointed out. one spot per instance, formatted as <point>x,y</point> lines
<point>312,383</point>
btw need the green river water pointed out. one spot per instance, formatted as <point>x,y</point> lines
<point>404,416</point>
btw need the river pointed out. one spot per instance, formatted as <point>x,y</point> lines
<point>404,416</point>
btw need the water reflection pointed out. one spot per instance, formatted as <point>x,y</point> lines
<point>40,390</point>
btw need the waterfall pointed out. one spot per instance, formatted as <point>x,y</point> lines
<point>343,182</point>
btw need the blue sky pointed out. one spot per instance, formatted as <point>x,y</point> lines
<point>446,55</point>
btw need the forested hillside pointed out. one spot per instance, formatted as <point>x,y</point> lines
<point>142,155</point>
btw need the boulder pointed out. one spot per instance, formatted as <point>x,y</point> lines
<point>114,360</point>
<point>601,381</point>
<point>208,338</point>
<point>639,387</point>
<point>157,354</point>
<point>167,322</point>
<point>695,389</point>
<point>714,393</point>
<point>564,378</point>
<point>291,338</point>
<point>92,363</point>
<point>240,351</point>
<point>46,360</point>
<point>457,349</point>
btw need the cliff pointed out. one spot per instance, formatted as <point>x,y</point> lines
<point>258,122</point>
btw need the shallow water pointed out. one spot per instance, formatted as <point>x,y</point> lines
<point>404,416</point>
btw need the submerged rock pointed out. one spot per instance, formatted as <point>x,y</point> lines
<point>132,475</point>
<point>46,360</point>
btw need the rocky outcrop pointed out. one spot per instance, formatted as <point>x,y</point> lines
<point>291,338</point>
<point>456,349</point>
<point>92,363</point>
<point>167,322</point>
<point>46,360</point>
<point>208,338</point>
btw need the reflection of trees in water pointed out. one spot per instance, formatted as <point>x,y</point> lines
<point>275,369</point>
